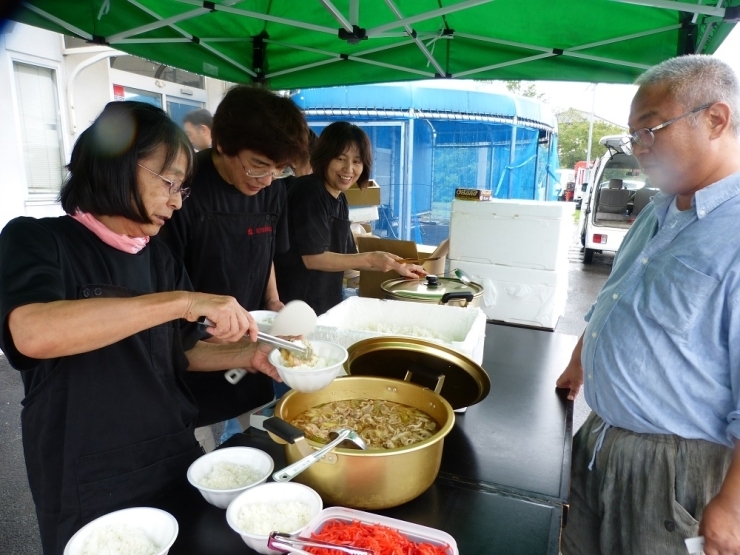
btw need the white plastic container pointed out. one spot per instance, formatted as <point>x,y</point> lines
<point>357,318</point>
<point>525,296</point>
<point>522,233</point>
<point>414,532</point>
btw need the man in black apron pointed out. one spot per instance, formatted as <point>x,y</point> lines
<point>235,222</point>
<point>321,244</point>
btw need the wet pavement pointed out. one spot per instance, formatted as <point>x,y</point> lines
<point>18,528</point>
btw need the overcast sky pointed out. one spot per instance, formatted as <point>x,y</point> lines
<point>613,101</point>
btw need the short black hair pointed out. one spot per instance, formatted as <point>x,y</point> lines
<point>103,167</point>
<point>336,139</point>
<point>251,118</point>
<point>200,116</point>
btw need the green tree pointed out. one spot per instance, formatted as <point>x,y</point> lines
<point>573,136</point>
<point>525,88</point>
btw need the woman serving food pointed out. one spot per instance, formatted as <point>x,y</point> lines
<point>101,324</point>
<point>321,243</point>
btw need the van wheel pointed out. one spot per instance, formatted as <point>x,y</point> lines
<point>588,256</point>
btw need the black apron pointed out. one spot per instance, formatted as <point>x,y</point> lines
<point>234,256</point>
<point>120,441</point>
<point>320,290</point>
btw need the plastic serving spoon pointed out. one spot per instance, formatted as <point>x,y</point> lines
<point>296,318</point>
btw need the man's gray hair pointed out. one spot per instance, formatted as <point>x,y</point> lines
<point>696,80</point>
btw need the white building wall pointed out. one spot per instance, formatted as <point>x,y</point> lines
<point>22,43</point>
<point>85,85</point>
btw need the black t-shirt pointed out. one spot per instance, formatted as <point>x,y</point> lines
<point>227,239</point>
<point>318,222</point>
<point>95,423</point>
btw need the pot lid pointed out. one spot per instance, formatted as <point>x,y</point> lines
<point>431,287</point>
<point>464,382</point>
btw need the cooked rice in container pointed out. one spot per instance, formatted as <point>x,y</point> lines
<point>299,362</point>
<point>411,331</point>
<point>226,475</point>
<point>382,424</point>
<point>119,539</point>
<point>263,518</point>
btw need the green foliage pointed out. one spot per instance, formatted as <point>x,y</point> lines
<point>573,137</point>
<point>525,88</point>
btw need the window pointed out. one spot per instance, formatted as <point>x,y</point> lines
<point>129,93</point>
<point>38,108</point>
<point>178,107</point>
<point>155,70</point>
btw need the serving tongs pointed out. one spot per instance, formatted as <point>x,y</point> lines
<point>303,351</point>
<point>294,544</point>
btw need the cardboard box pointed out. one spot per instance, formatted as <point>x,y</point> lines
<point>369,196</point>
<point>473,194</point>
<point>370,281</point>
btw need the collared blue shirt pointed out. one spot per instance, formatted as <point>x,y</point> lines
<point>661,351</point>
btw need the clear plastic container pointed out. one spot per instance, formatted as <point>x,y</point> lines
<point>414,532</point>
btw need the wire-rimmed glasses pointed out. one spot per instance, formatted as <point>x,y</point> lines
<point>645,137</point>
<point>174,187</point>
<point>287,172</point>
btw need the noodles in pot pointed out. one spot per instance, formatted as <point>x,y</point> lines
<point>382,424</point>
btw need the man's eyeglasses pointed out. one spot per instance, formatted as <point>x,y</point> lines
<point>175,187</point>
<point>287,172</point>
<point>645,137</point>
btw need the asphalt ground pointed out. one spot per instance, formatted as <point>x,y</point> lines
<point>18,529</point>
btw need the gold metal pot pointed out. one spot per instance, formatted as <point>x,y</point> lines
<point>375,479</point>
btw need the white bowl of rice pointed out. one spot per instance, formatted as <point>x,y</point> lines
<point>135,531</point>
<point>314,374</point>
<point>223,474</point>
<point>285,507</point>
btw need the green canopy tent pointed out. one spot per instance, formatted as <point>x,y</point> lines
<point>291,44</point>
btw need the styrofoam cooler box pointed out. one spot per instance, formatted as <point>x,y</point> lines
<point>524,233</point>
<point>357,318</point>
<point>520,295</point>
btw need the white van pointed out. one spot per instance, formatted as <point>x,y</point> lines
<point>616,193</point>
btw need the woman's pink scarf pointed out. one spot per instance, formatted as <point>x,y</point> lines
<point>124,243</point>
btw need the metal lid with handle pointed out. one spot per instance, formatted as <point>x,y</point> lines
<point>431,289</point>
<point>451,374</point>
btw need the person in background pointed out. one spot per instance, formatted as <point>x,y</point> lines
<point>321,243</point>
<point>235,222</point>
<point>100,323</point>
<point>658,459</point>
<point>198,125</point>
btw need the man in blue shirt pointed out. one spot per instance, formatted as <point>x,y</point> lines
<point>658,460</point>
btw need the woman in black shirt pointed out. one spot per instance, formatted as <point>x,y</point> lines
<point>100,322</point>
<point>321,243</point>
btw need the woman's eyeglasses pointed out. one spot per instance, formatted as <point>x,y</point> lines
<point>174,187</point>
<point>645,137</point>
<point>287,172</point>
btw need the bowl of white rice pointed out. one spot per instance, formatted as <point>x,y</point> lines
<point>315,373</point>
<point>135,531</point>
<point>285,507</point>
<point>223,474</point>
